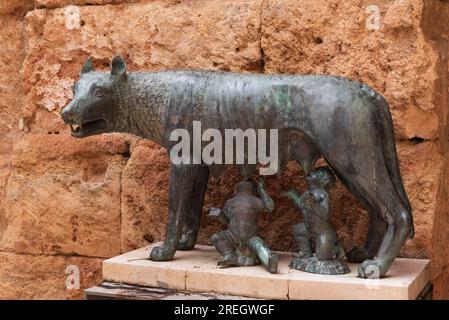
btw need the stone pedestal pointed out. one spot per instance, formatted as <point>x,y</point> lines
<point>197,271</point>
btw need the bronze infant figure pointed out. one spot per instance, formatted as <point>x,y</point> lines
<point>240,244</point>
<point>315,207</point>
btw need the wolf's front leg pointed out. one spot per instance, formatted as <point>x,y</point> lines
<point>191,224</point>
<point>180,197</point>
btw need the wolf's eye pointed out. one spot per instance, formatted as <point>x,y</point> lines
<point>99,92</point>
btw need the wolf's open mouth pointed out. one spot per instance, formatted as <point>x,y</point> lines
<point>89,127</point>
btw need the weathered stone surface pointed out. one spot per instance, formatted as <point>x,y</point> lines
<point>51,4</point>
<point>10,80</point>
<point>24,276</point>
<point>332,38</point>
<point>440,239</point>
<point>11,96</point>
<point>421,167</point>
<point>63,196</point>
<point>144,195</point>
<point>16,7</point>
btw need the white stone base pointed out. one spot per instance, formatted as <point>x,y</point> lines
<point>197,271</point>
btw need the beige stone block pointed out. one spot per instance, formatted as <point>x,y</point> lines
<point>404,281</point>
<point>135,267</point>
<point>254,281</point>
<point>197,271</point>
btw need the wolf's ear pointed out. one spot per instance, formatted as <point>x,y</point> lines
<point>118,67</point>
<point>88,67</point>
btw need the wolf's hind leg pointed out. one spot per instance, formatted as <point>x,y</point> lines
<point>399,222</point>
<point>376,231</point>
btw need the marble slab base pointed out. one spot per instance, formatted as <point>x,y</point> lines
<point>197,271</point>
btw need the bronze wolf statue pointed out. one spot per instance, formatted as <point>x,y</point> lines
<point>345,122</point>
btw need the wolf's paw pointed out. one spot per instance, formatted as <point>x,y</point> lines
<point>162,253</point>
<point>372,269</point>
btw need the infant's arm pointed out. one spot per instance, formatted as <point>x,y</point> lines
<point>320,205</point>
<point>219,214</point>
<point>268,204</point>
<point>298,199</point>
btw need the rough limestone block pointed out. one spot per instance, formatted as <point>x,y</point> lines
<point>26,276</point>
<point>64,197</point>
<point>17,7</point>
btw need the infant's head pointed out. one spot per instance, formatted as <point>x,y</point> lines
<point>248,186</point>
<point>321,177</point>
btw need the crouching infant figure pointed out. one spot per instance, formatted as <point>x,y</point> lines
<point>317,229</point>
<point>240,244</point>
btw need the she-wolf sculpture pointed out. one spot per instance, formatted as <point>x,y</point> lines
<point>344,121</point>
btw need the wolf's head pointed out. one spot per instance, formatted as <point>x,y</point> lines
<point>96,105</point>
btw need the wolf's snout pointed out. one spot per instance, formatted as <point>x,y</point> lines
<point>67,114</point>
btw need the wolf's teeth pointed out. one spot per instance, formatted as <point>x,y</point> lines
<point>75,128</point>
